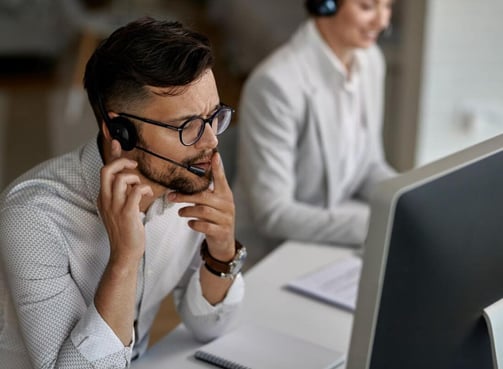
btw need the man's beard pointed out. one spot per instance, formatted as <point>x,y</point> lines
<point>174,177</point>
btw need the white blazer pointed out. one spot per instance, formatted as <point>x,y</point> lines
<point>290,165</point>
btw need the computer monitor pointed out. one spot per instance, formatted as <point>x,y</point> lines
<point>433,260</point>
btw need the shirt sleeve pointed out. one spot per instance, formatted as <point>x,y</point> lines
<point>95,340</point>
<point>207,321</point>
<point>57,326</point>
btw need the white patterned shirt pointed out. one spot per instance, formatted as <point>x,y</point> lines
<point>53,251</point>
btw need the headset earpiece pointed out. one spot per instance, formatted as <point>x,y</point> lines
<point>124,131</point>
<point>120,128</point>
<point>322,8</point>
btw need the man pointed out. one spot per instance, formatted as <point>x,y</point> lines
<point>94,240</point>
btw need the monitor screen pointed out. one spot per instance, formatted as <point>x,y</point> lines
<point>433,260</point>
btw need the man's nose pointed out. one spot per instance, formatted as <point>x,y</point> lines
<point>208,139</point>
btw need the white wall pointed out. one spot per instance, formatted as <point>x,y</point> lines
<point>462,84</point>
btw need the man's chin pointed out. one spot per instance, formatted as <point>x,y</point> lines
<point>191,186</point>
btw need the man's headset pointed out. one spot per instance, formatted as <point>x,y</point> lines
<point>120,128</point>
<point>322,8</point>
<point>124,131</point>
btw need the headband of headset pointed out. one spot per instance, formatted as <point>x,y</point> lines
<point>322,8</point>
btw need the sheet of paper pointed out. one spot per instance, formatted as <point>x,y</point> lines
<point>336,283</point>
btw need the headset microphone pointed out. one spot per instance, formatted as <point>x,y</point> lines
<point>195,170</point>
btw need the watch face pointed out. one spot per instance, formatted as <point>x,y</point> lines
<point>237,263</point>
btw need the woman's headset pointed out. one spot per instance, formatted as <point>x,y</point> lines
<point>322,8</point>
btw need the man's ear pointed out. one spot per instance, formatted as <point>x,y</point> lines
<point>105,130</point>
<point>110,151</point>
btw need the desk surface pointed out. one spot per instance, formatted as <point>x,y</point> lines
<point>268,303</point>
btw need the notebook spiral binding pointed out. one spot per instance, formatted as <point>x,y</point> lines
<point>218,361</point>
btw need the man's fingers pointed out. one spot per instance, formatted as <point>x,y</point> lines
<point>219,179</point>
<point>116,149</point>
<point>201,212</point>
<point>135,196</point>
<point>108,173</point>
<point>209,229</point>
<point>120,186</point>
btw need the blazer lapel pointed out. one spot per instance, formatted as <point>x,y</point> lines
<point>320,78</point>
<point>370,104</point>
<point>321,115</point>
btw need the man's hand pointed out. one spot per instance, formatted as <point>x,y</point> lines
<point>213,212</point>
<point>119,206</point>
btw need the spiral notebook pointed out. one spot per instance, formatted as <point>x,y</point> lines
<point>255,347</point>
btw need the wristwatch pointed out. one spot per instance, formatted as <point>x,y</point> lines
<point>224,269</point>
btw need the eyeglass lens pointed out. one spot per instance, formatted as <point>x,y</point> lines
<point>194,129</point>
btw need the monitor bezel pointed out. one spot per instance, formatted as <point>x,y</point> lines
<point>383,204</point>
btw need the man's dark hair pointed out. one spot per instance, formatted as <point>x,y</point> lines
<point>145,52</point>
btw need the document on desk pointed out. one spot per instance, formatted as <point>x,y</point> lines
<point>252,346</point>
<point>336,283</point>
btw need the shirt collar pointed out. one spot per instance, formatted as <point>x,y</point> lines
<point>349,82</point>
<point>159,207</point>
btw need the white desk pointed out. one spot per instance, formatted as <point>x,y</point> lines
<point>268,303</point>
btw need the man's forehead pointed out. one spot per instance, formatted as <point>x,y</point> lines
<point>205,78</point>
<point>167,91</point>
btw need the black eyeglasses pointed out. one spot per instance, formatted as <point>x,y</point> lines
<point>192,129</point>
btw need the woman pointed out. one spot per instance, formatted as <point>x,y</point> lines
<point>310,145</point>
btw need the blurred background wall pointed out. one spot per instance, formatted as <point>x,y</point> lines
<point>444,82</point>
<point>461,93</point>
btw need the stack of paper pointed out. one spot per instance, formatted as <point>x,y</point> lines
<point>336,283</point>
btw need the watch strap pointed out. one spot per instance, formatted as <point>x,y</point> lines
<point>216,266</point>
<point>224,269</point>
<point>213,271</point>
